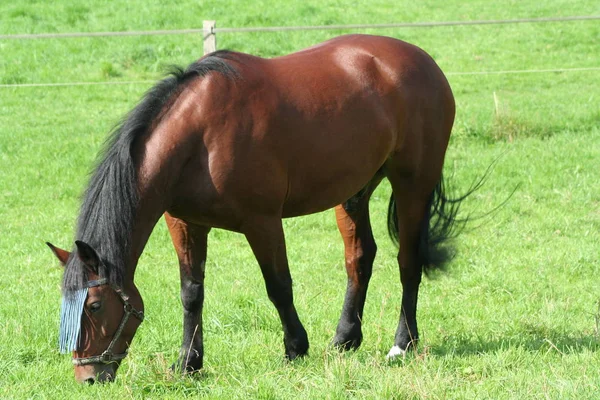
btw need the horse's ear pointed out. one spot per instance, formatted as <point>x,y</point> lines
<point>61,254</point>
<point>88,256</point>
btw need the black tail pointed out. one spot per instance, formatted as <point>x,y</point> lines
<point>439,226</point>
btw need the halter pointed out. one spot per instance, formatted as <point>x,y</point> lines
<point>108,356</point>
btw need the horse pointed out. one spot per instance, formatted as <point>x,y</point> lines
<point>239,142</point>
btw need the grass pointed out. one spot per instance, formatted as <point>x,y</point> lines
<point>514,317</point>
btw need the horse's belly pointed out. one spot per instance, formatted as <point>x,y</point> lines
<point>305,206</point>
<point>312,194</point>
<point>328,172</point>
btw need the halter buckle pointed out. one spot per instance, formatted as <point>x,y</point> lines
<point>105,357</point>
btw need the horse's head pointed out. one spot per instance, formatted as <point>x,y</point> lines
<point>98,321</point>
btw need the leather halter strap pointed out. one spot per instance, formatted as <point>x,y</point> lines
<point>108,356</point>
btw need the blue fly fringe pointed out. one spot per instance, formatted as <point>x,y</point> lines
<point>70,320</point>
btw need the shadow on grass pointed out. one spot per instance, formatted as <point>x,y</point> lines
<point>532,339</point>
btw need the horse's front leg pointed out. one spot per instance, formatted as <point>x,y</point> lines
<point>359,249</point>
<point>266,238</point>
<point>190,244</point>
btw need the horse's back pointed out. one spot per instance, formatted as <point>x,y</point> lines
<point>386,83</point>
<point>301,133</point>
<point>363,59</point>
<point>356,102</point>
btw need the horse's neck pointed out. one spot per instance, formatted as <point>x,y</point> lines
<point>156,172</point>
<point>147,216</point>
<point>151,206</point>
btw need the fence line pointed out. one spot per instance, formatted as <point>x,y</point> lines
<point>98,34</point>
<point>407,24</point>
<point>507,72</point>
<point>210,30</point>
<point>297,28</point>
<point>62,84</point>
<point>523,71</point>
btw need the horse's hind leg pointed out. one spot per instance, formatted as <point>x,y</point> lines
<point>412,196</point>
<point>359,249</point>
<point>266,238</point>
<point>190,245</point>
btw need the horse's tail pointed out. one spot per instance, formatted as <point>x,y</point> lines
<point>439,226</point>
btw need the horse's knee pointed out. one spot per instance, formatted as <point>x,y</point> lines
<point>362,262</point>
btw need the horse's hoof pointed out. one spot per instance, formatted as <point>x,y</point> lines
<point>180,369</point>
<point>293,352</point>
<point>299,350</point>
<point>297,347</point>
<point>346,344</point>
<point>292,355</point>
<point>348,336</point>
<point>189,366</point>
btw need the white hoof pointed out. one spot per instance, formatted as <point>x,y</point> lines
<point>395,352</point>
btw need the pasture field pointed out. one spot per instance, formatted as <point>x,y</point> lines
<point>517,314</point>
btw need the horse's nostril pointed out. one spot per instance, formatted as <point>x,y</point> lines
<point>90,381</point>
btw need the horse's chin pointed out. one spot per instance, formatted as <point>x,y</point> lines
<point>96,373</point>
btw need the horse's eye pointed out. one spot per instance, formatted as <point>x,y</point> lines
<point>94,307</point>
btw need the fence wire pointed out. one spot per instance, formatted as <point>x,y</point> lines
<point>215,30</point>
<point>406,24</point>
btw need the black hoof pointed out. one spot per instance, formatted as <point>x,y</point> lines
<point>296,348</point>
<point>348,336</point>
<point>407,344</point>
<point>345,344</point>
<point>188,363</point>
<point>179,368</point>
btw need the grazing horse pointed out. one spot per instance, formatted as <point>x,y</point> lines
<point>239,142</point>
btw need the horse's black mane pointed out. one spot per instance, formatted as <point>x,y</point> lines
<point>110,202</point>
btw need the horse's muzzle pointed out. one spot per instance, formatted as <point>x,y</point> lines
<point>96,373</point>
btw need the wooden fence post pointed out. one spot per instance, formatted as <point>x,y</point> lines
<point>210,38</point>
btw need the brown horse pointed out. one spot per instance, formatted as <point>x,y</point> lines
<point>239,142</point>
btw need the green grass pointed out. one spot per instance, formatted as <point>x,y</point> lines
<point>514,316</point>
